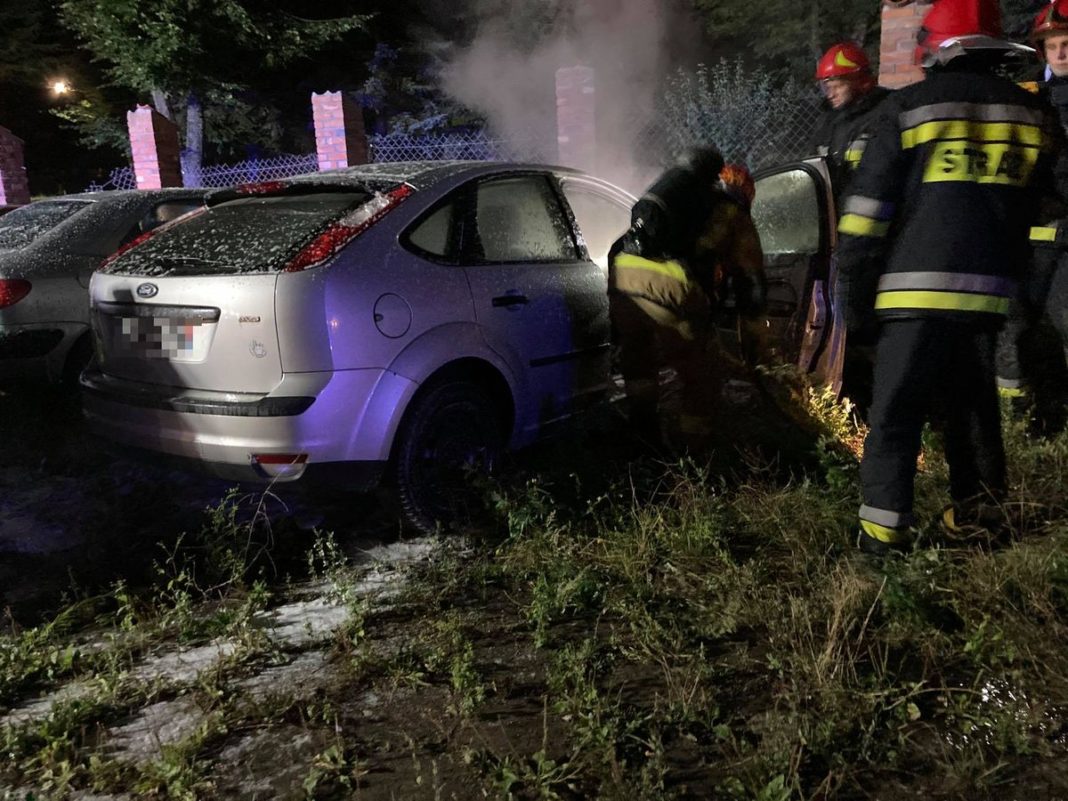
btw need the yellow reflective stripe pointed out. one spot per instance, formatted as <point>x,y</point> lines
<point>891,536</point>
<point>974,130</point>
<point>672,269</point>
<point>1012,392</point>
<point>1043,233</point>
<point>948,301</point>
<point>859,225</point>
<point>853,157</point>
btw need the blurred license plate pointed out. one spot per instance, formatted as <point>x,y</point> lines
<point>184,340</point>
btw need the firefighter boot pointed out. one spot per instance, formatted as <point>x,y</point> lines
<point>878,541</point>
<point>643,418</point>
<point>974,523</point>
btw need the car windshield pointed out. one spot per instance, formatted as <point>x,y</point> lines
<point>22,226</point>
<point>255,234</point>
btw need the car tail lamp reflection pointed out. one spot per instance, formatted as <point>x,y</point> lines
<point>340,233</point>
<point>12,290</point>
<point>280,465</point>
<point>260,188</point>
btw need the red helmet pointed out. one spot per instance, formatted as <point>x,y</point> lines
<point>738,181</point>
<point>954,27</point>
<point>841,60</point>
<point>1050,20</point>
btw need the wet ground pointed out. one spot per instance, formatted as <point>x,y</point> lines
<point>76,516</point>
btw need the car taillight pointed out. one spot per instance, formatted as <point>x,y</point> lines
<point>340,233</point>
<point>140,239</point>
<point>280,465</point>
<point>12,290</point>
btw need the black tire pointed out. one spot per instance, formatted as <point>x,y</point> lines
<point>450,432</point>
<point>78,358</point>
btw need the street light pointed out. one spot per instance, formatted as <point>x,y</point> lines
<point>60,87</point>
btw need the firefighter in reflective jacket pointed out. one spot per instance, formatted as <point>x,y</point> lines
<point>662,281</point>
<point>1046,289</point>
<point>934,227</point>
<point>846,80</point>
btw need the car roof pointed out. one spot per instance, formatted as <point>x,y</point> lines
<point>420,174</point>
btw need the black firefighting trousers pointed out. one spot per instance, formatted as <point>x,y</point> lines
<point>1044,292</point>
<point>928,368</point>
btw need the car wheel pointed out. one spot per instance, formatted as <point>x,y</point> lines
<point>78,358</point>
<point>451,433</point>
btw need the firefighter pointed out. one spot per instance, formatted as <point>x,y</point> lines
<point>934,227</point>
<point>662,284</point>
<point>846,80</point>
<point>1046,289</point>
<point>740,279</point>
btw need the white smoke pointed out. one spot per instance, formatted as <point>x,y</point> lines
<point>630,44</point>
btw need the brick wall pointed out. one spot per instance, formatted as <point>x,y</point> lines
<point>576,117</point>
<point>14,187</point>
<point>897,45</point>
<point>340,138</point>
<point>154,145</point>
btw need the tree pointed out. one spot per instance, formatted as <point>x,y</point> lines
<point>788,35</point>
<point>192,55</point>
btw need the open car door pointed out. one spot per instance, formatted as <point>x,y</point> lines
<point>795,215</point>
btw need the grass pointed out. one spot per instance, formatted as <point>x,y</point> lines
<point>631,629</point>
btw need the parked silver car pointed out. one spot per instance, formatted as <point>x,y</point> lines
<point>48,250</point>
<point>415,316</point>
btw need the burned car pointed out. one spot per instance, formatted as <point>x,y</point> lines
<point>48,251</point>
<point>392,317</point>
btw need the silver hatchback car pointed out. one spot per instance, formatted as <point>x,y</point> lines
<point>414,317</point>
<point>48,251</point>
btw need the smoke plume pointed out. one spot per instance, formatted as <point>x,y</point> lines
<point>507,73</point>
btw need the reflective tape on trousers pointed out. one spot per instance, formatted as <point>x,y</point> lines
<point>943,301</point>
<point>885,517</point>
<point>947,282</point>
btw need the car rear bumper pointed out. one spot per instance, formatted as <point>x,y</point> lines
<point>347,417</point>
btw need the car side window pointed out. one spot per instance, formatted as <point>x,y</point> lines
<point>434,235</point>
<point>786,213</point>
<point>519,219</point>
<point>601,218</point>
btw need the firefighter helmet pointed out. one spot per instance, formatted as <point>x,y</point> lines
<point>738,182</point>
<point>842,60</point>
<point>953,28</point>
<point>1051,20</point>
<point>703,161</point>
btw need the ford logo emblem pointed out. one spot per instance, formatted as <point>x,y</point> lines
<point>147,291</point>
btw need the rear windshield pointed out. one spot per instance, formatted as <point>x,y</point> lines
<point>22,226</point>
<point>248,235</point>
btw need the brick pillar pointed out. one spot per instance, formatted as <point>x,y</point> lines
<point>14,188</point>
<point>576,117</point>
<point>340,139</point>
<point>897,44</point>
<point>154,144</point>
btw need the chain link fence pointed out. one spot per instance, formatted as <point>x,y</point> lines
<point>750,115</point>
<point>474,145</point>
<point>216,176</point>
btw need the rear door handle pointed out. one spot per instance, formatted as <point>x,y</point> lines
<point>510,300</point>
